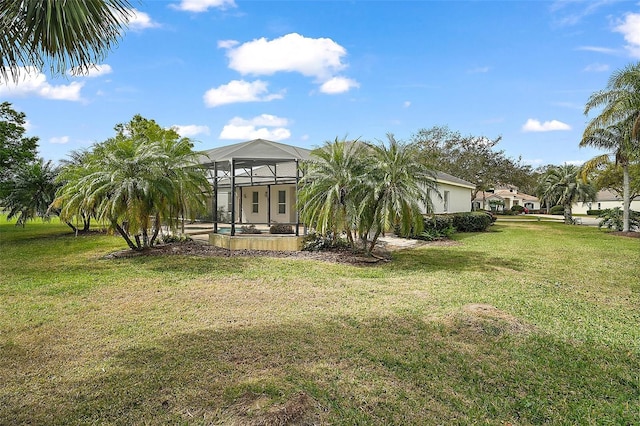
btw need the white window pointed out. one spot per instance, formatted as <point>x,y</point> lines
<point>282,202</point>
<point>446,201</point>
<point>254,202</point>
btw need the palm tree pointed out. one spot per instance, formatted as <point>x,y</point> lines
<point>617,127</point>
<point>397,191</point>
<point>31,191</point>
<point>561,185</point>
<point>68,34</point>
<point>617,139</point>
<point>326,197</point>
<point>137,182</point>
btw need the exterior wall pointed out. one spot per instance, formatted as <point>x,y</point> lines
<point>247,214</point>
<point>245,204</point>
<point>459,199</point>
<point>257,242</point>
<point>580,208</point>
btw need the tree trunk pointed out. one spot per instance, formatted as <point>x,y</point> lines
<point>568,218</point>
<point>156,229</point>
<point>86,219</point>
<point>124,235</point>
<point>626,200</point>
<point>73,228</point>
<point>373,241</point>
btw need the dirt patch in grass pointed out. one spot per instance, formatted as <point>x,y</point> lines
<point>259,410</point>
<point>481,319</point>
<point>200,249</point>
<point>629,234</point>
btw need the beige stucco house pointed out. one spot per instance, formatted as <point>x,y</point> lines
<point>605,199</point>
<point>503,198</point>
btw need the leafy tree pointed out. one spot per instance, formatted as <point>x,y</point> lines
<point>610,176</point>
<point>31,191</point>
<point>472,158</point>
<point>15,148</point>
<point>77,204</point>
<point>137,182</point>
<point>562,185</point>
<point>64,33</point>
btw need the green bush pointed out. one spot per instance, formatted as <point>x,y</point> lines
<point>557,210</point>
<point>471,222</point>
<point>437,227</point>
<point>594,212</point>
<point>317,242</point>
<point>612,219</point>
<point>281,228</point>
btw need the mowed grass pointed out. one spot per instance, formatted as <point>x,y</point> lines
<point>530,323</point>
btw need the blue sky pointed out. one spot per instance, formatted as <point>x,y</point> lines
<point>303,72</point>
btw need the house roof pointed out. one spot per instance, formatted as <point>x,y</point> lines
<point>257,152</point>
<point>503,194</point>
<point>443,177</point>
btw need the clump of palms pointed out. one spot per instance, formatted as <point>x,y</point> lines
<point>613,219</point>
<point>31,191</point>
<point>617,127</point>
<point>562,185</point>
<point>363,190</point>
<point>143,179</point>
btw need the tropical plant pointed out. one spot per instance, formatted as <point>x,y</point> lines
<point>396,191</point>
<point>31,191</point>
<point>613,219</point>
<point>562,185</point>
<point>327,198</point>
<point>67,34</point>
<point>617,127</point>
<point>144,178</point>
<point>618,139</point>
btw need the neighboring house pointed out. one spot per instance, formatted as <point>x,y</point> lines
<point>503,198</point>
<point>256,182</point>
<point>605,199</point>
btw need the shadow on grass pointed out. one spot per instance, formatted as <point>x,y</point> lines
<point>445,259</point>
<point>380,370</point>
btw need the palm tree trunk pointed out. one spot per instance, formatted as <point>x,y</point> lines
<point>124,235</point>
<point>568,218</point>
<point>626,201</point>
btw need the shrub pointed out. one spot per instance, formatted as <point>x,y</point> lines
<point>612,219</point>
<point>471,222</point>
<point>250,229</point>
<point>594,212</point>
<point>280,228</point>
<point>517,208</point>
<point>175,238</point>
<point>317,242</point>
<point>557,210</point>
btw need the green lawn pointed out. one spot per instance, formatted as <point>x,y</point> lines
<point>533,322</point>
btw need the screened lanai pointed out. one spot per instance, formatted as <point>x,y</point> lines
<point>255,183</point>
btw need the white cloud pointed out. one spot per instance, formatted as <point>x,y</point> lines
<point>596,67</point>
<point>227,44</point>
<point>598,49</point>
<point>630,29</point>
<point>33,82</point>
<point>203,5</point>
<point>575,162</point>
<point>534,162</point>
<point>60,140</point>
<point>533,125</point>
<point>406,104</point>
<point>312,57</point>
<point>338,85</point>
<point>140,20</point>
<point>239,91</point>
<point>91,71</point>
<point>190,130</point>
<point>264,126</point>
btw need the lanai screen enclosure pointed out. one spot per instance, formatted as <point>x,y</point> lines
<point>255,183</point>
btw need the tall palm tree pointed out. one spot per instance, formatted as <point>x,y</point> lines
<point>326,197</point>
<point>67,34</point>
<point>562,185</point>
<point>32,191</point>
<point>397,191</point>
<point>616,139</point>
